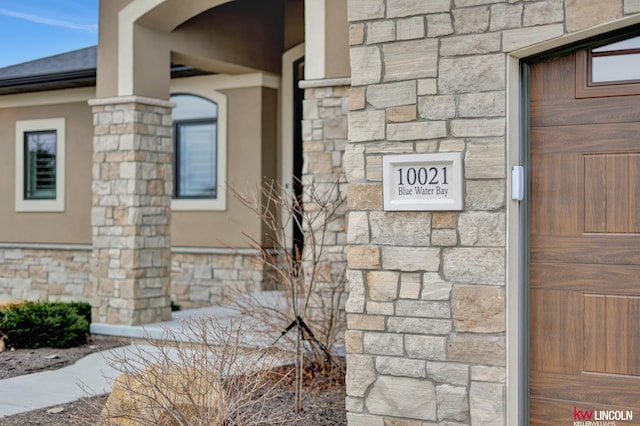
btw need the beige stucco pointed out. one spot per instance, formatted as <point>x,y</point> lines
<point>337,35</point>
<point>138,42</point>
<point>251,156</point>
<point>151,65</point>
<point>215,41</point>
<point>73,226</point>
<point>108,47</point>
<point>143,58</point>
<point>326,39</point>
<point>139,39</point>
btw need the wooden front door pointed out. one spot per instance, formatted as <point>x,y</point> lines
<point>584,295</point>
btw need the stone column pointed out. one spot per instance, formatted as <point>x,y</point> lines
<point>132,189</point>
<point>324,134</point>
<point>426,311</point>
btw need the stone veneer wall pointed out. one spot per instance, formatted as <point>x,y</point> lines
<point>45,273</point>
<point>324,134</point>
<point>426,312</point>
<point>205,277</point>
<point>131,214</point>
<point>199,277</point>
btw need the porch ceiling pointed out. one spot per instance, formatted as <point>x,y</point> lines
<point>220,36</point>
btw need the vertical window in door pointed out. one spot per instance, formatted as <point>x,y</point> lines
<point>616,62</point>
<point>612,69</point>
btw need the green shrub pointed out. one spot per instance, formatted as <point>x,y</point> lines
<point>82,308</point>
<point>45,324</point>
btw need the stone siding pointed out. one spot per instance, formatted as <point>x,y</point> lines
<point>63,273</point>
<point>426,311</point>
<point>324,134</point>
<point>214,277</point>
<point>45,274</point>
<point>131,214</point>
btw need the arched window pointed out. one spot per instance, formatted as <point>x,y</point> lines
<point>195,130</point>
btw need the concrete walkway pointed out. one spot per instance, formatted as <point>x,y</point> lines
<point>93,374</point>
<point>50,388</point>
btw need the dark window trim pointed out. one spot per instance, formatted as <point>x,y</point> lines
<point>176,156</point>
<point>27,169</point>
<point>586,89</point>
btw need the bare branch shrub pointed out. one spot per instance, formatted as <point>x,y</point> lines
<point>311,284</point>
<point>210,380</point>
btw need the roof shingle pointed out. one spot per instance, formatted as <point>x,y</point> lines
<point>77,60</point>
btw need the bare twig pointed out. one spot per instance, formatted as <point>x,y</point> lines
<point>209,380</point>
<point>311,283</point>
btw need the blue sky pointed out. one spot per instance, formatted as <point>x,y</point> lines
<point>32,29</point>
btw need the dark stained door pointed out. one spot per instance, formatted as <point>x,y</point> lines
<point>584,290</point>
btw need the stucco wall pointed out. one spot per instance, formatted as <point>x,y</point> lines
<point>337,36</point>
<point>108,46</point>
<point>251,156</point>
<point>43,269</point>
<point>73,226</point>
<point>232,36</point>
<point>247,33</point>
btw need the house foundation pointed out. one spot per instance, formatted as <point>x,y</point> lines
<point>45,272</point>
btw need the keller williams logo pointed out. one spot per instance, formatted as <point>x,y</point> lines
<point>600,417</point>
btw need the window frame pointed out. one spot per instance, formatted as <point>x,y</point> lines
<point>586,89</point>
<point>31,192</point>
<point>23,127</point>
<point>177,125</point>
<point>220,202</point>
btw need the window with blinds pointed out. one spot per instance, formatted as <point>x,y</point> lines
<point>196,160</point>
<point>40,165</point>
<point>195,129</point>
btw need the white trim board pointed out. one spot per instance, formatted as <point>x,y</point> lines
<point>22,127</point>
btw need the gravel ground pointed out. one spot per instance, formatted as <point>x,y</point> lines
<point>26,361</point>
<point>323,393</point>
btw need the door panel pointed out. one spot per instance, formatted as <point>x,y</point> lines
<point>584,290</point>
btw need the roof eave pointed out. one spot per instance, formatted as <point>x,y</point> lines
<point>35,83</point>
<point>71,79</point>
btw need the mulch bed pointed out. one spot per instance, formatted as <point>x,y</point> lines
<point>19,362</point>
<point>323,391</point>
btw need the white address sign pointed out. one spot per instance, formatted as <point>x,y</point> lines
<point>423,182</point>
